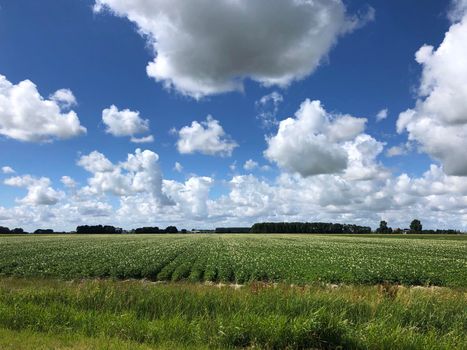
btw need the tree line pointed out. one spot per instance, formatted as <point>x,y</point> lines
<point>307,227</point>
<point>416,227</point>
<point>263,227</point>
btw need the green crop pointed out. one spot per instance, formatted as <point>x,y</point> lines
<point>297,259</point>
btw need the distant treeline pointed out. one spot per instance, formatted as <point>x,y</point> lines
<point>232,230</point>
<point>6,230</point>
<point>155,229</point>
<point>264,227</point>
<point>86,229</point>
<point>430,232</point>
<point>307,227</point>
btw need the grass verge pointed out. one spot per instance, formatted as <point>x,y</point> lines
<point>137,314</point>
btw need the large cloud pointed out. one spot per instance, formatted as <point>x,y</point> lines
<point>192,196</point>
<point>439,200</point>
<point>313,141</point>
<point>206,137</point>
<point>140,173</point>
<point>438,122</point>
<point>206,47</point>
<point>40,191</point>
<point>126,123</point>
<point>26,116</point>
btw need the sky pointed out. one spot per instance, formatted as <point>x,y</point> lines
<point>230,112</point>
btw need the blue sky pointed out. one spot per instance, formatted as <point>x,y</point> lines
<point>361,62</point>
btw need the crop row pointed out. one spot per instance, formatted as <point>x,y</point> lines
<point>239,258</point>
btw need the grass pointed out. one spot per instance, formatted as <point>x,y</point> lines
<point>241,258</point>
<point>103,314</point>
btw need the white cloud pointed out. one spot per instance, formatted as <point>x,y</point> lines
<point>206,137</point>
<point>457,10</point>
<point>94,209</point>
<point>438,122</point>
<point>362,163</point>
<point>95,162</point>
<point>140,173</point>
<point>439,200</point>
<point>64,98</point>
<point>40,191</point>
<point>268,106</point>
<point>8,170</point>
<point>312,142</point>
<point>68,182</point>
<point>26,116</point>
<point>178,167</point>
<point>124,122</point>
<point>191,196</point>
<point>250,164</point>
<point>382,114</point>
<point>399,150</point>
<point>145,139</point>
<point>205,47</point>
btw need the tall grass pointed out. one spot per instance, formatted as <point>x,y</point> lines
<point>257,315</point>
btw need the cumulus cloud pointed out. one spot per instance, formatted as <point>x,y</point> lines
<point>362,158</point>
<point>144,139</point>
<point>207,137</point>
<point>382,114</point>
<point>268,106</point>
<point>7,170</point>
<point>204,47</point>
<point>312,142</point>
<point>438,122</point>
<point>68,182</point>
<point>40,191</point>
<point>250,164</point>
<point>192,196</point>
<point>457,10</point>
<point>26,116</point>
<point>438,199</point>
<point>138,174</point>
<point>125,123</point>
<point>399,150</point>
<point>95,162</point>
<point>64,98</point>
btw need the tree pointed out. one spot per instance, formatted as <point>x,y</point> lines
<point>383,227</point>
<point>416,226</point>
<point>171,229</point>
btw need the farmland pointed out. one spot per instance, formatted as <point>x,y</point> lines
<point>298,259</point>
<point>233,291</point>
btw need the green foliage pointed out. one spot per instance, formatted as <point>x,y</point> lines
<point>416,226</point>
<point>299,259</point>
<point>383,228</point>
<point>134,314</point>
<point>307,227</point>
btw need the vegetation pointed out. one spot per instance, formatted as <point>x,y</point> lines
<point>96,229</point>
<point>416,226</point>
<point>307,227</point>
<point>147,315</point>
<point>232,230</point>
<point>265,227</point>
<point>241,258</point>
<point>383,228</point>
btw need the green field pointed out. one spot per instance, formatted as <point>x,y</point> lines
<point>233,291</point>
<point>298,259</point>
